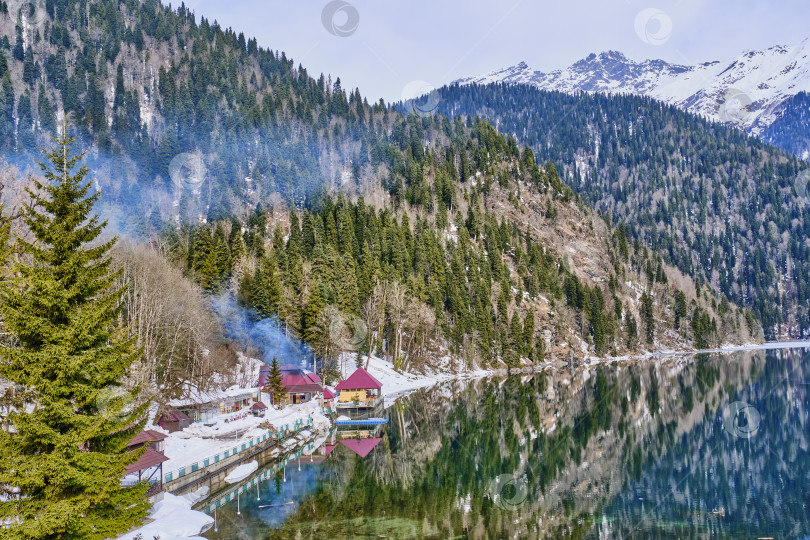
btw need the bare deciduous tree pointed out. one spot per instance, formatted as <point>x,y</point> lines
<point>397,311</point>
<point>420,334</point>
<point>180,335</point>
<point>373,313</point>
<point>333,337</point>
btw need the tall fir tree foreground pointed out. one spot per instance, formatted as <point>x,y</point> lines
<point>66,451</point>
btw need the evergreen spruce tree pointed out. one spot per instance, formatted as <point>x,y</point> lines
<point>209,273</point>
<point>274,385</point>
<point>528,335</point>
<point>67,453</point>
<point>259,300</point>
<point>679,308</point>
<point>308,235</point>
<point>222,254</point>
<point>266,288</point>
<point>539,349</point>
<point>273,283</point>
<point>648,317</point>
<point>309,317</point>
<point>516,334</point>
<point>631,329</point>
<point>235,243</point>
<point>348,296</point>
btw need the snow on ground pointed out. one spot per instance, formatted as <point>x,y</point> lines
<point>241,472</point>
<point>241,382</point>
<point>173,518</point>
<point>198,441</point>
<point>398,383</point>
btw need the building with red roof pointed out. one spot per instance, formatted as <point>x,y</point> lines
<point>258,409</point>
<point>329,400</point>
<point>148,437</point>
<point>361,390</point>
<point>300,385</point>
<point>148,467</point>
<point>173,420</point>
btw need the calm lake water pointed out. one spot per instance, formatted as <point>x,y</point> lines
<point>712,446</point>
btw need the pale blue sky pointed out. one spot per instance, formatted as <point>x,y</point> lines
<point>390,44</point>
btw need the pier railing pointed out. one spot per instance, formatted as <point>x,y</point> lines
<point>239,448</point>
<point>210,505</point>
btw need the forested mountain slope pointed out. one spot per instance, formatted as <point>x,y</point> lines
<point>143,83</point>
<point>754,91</point>
<point>722,206</point>
<point>305,203</point>
<point>790,129</point>
<point>517,271</point>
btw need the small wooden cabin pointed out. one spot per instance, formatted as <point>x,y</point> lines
<point>173,420</point>
<point>360,390</point>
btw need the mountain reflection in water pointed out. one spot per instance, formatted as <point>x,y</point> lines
<point>705,446</point>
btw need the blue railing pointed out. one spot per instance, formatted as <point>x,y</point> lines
<point>194,467</point>
<point>368,422</point>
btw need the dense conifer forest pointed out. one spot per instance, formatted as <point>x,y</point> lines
<point>718,204</point>
<point>311,206</point>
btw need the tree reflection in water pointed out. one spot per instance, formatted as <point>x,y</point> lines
<point>648,449</point>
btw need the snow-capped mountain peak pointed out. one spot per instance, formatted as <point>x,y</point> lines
<point>746,91</point>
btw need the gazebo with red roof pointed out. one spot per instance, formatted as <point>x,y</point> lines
<point>361,390</point>
<point>329,400</point>
<point>258,409</point>
<point>148,467</point>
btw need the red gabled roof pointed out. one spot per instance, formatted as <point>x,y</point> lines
<point>145,436</point>
<point>297,377</point>
<point>150,458</point>
<point>172,415</point>
<point>359,380</point>
<point>293,368</point>
<point>361,447</point>
<point>328,394</point>
<point>258,406</point>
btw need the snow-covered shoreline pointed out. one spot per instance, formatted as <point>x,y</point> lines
<point>172,518</point>
<point>396,384</point>
<point>199,441</point>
